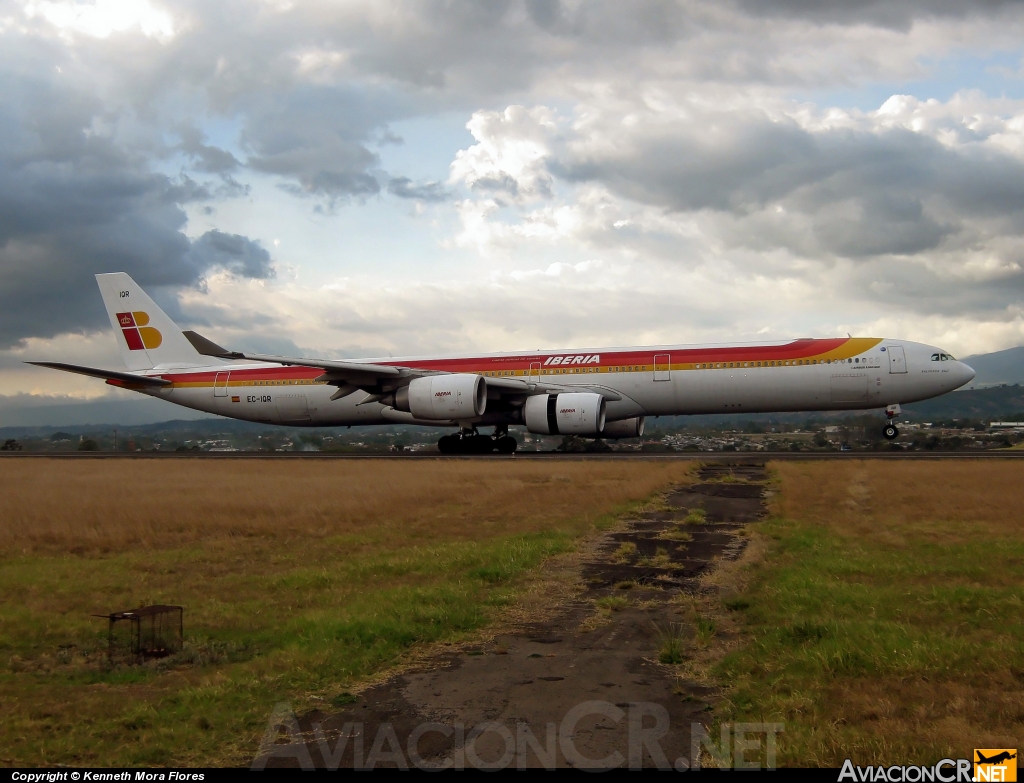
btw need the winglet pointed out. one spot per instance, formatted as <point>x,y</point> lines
<point>208,347</point>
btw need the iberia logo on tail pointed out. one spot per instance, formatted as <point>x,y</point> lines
<point>137,332</point>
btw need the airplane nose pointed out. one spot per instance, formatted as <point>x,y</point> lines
<point>966,373</point>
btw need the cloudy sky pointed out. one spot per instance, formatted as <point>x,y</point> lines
<point>373,178</point>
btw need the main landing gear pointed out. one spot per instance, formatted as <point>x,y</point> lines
<point>472,442</point>
<point>889,431</point>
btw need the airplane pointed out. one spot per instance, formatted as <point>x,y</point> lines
<point>591,393</point>
<point>996,759</point>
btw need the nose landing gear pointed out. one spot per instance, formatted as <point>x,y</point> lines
<point>890,432</point>
<point>470,441</point>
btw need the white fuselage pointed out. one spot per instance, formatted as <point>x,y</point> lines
<point>802,375</point>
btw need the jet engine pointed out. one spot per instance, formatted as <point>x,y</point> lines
<point>626,428</point>
<point>458,396</point>
<point>573,413</point>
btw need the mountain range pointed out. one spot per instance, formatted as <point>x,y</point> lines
<point>994,369</point>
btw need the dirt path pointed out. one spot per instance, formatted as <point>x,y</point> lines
<point>580,689</point>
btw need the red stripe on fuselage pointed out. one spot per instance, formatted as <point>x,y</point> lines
<point>798,349</point>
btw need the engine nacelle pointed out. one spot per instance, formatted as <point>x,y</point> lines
<point>573,413</point>
<point>626,428</point>
<point>460,396</point>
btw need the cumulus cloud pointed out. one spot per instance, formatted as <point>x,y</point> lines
<point>509,157</point>
<point>926,193</point>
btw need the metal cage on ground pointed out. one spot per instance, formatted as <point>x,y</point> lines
<point>147,632</point>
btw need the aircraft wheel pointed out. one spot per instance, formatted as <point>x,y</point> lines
<point>448,444</point>
<point>506,445</point>
<point>479,444</point>
<point>890,432</point>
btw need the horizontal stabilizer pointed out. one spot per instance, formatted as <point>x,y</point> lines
<point>125,378</point>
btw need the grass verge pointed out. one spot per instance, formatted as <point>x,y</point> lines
<point>299,582</point>
<point>884,622</point>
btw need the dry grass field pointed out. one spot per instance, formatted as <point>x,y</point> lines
<point>885,620</point>
<point>299,579</point>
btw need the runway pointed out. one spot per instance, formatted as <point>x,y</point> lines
<point>716,456</point>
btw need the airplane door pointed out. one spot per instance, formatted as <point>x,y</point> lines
<point>662,367</point>
<point>220,384</point>
<point>897,358</point>
<point>534,375</point>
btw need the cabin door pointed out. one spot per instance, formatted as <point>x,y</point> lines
<point>220,384</point>
<point>662,367</point>
<point>897,359</point>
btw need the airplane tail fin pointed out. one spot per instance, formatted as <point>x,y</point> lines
<point>146,336</point>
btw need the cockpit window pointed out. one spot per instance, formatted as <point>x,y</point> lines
<point>935,357</point>
<point>945,357</point>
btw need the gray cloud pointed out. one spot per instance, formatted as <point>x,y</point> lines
<point>844,193</point>
<point>206,158</point>
<point>403,187</point>
<point>896,14</point>
<point>232,252</point>
<point>318,137</point>
<point>74,202</point>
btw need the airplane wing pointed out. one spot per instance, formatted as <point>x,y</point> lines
<point>378,380</point>
<point>561,388</point>
<point>210,348</point>
<point>115,378</point>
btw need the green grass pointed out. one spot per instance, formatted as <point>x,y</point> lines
<point>705,629</point>
<point>879,652</point>
<point>671,644</point>
<point>695,516</point>
<point>624,552</point>
<point>343,618</point>
<point>612,603</point>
